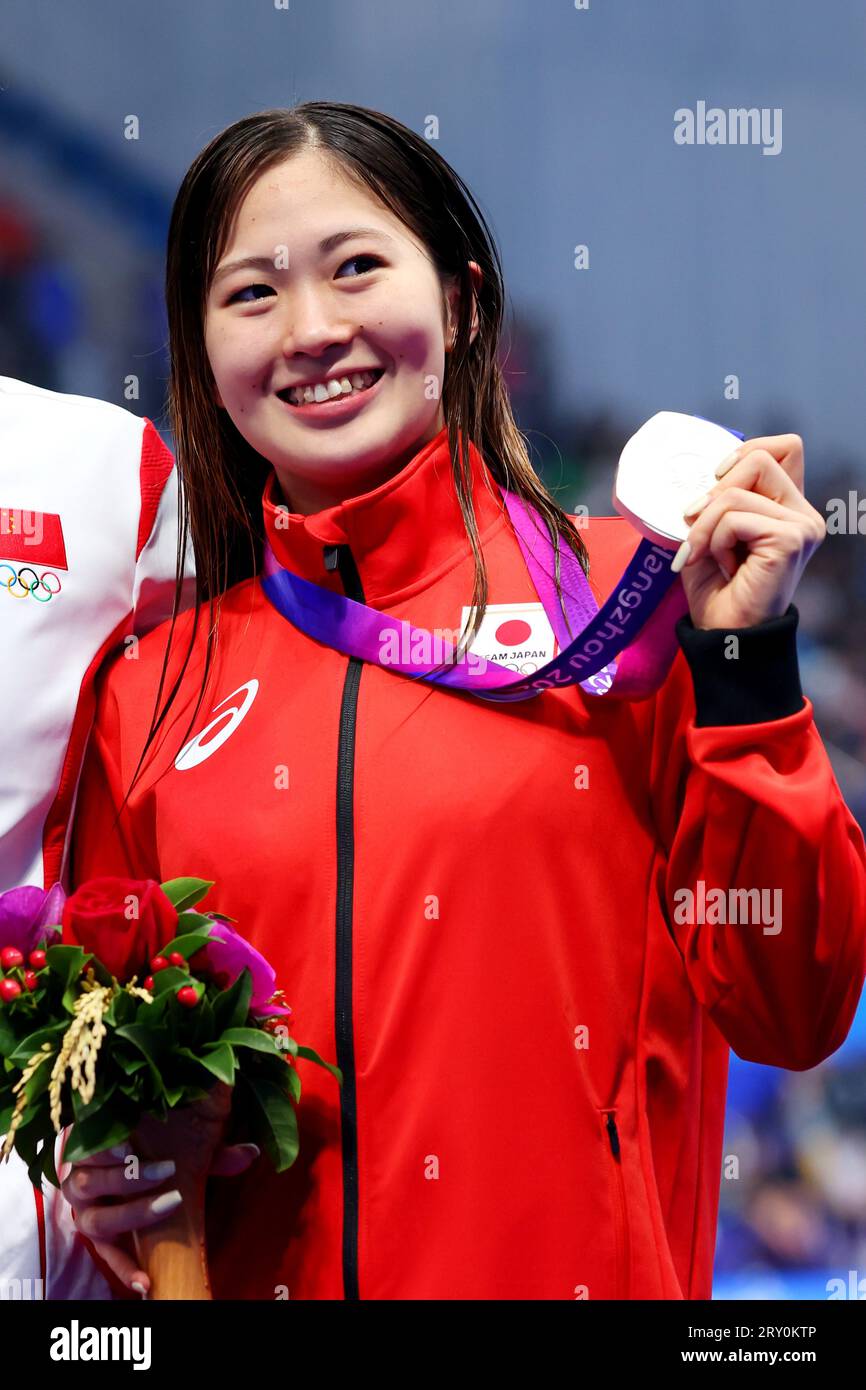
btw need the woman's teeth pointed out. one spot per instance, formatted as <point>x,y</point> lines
<point>330,390</point>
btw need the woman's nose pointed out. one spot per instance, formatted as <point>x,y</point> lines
<point>314,322</point>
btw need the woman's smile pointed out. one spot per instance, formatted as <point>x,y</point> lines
<point>336,408</point>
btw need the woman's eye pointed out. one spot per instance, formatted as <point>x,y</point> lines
<point>245,289</point>
<point>374,260</point>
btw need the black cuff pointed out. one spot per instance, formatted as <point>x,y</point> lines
<point>762,683</point>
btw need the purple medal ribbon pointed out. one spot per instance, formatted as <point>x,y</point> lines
<point>639,615</point>
<point>586,659</point>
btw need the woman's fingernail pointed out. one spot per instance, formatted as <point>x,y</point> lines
<point>252,1149</point>
<point>139,1288</point>
<point>163,1169</point>
<point>681,556</point>
<point>727,463</point>
<point>166,1201</point>
<point>698,504</point>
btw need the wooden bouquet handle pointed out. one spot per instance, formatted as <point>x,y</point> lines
<point>174,1252</point>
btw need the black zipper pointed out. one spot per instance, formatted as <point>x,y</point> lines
<point>612,1134</point>
<point>621,1233</point>
<point>340,557</point>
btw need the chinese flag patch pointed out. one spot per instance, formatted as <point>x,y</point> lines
<point>32,538</point>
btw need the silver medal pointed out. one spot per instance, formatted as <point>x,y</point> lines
<point>667,464</point>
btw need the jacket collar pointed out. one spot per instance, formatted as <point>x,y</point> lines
<point>402,535</point>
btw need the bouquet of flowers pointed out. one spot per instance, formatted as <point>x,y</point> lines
<point>125,1013</point>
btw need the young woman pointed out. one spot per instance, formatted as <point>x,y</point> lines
<point>471,904</point>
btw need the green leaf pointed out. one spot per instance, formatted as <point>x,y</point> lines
<point>32,1043</point>
<point>130,1088</point>
<point>314,1057</point>
<point>128,1064</point>
<point>171,978</point>
<point>100,1131</point>
<point>8,1036</point>
<point>148,1042</point>
<point>275,1120</point>
<point>101,1096</point>
<point>250,1037</point>
<point>186,892</point>
<point>165,987</point>
<point>232,1007</point>
<point>219,1058</point>
<point>294,1081</point>
<point>259,1066</point>
<point>67,963</point>
<point>189,943</point>
<point>122,1009</point>
<point>48,1165</point>
<point>205,1028</point>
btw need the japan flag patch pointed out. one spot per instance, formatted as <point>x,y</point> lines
<point>516,635</point>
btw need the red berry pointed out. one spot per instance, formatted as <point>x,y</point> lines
<point>188,996</point>
<point>176,958</point>
<point>158,963</point>
<point>9,989</point>
<point>31,979</point>
<point>37,959</point>
<point>10,956</point>
<point>148,984</point>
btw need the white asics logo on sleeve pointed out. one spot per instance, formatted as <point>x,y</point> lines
<point>197,750</point>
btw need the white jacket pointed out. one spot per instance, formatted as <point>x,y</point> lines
<point>88,537</point>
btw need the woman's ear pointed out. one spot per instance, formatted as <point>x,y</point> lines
<point>454,305</point>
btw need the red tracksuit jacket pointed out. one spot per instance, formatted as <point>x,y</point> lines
<point>483,936</point>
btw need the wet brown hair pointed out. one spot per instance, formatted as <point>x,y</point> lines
<point>221,477</point>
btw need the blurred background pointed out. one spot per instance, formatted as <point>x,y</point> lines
<point>721,279</point>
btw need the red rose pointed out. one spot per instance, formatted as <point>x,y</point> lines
<point>123,921</point>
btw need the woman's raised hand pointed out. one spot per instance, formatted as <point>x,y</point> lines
<point>752,536</point>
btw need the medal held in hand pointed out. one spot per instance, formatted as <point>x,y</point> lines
<point>668,462</point>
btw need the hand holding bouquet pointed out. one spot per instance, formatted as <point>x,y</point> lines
<point>126,1014</point>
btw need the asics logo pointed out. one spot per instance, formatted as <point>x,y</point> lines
<point>198,748</point>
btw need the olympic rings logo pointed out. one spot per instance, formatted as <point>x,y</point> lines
<point>18,588</point>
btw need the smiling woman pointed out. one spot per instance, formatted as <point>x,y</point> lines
<point>312,245</point>
<point>317,316</point>
<point>432,874</point>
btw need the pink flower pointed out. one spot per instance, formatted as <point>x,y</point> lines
<point>30,917</point>
<point>226,955</point>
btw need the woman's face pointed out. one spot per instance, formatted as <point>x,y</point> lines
<point>304,315</point>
